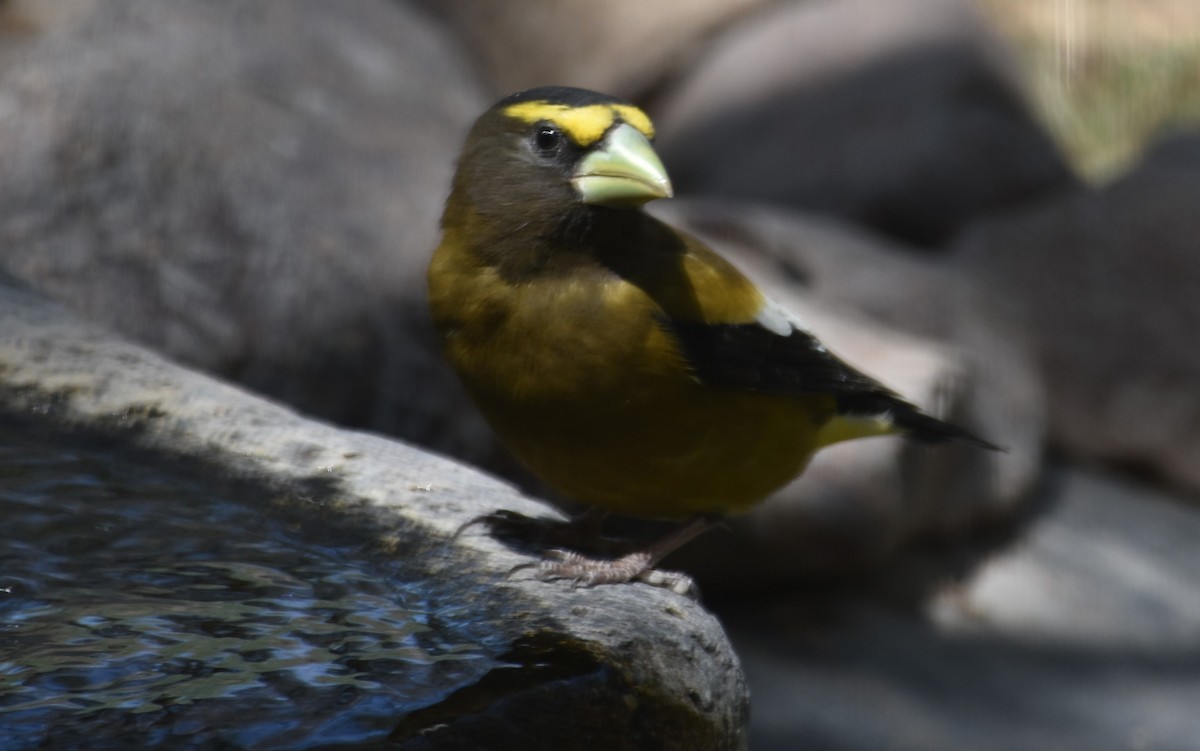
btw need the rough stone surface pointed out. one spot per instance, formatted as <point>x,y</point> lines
<point>665,676</point>
<point>623,47</point>
<point>933,337</point>
<point>1106,285</point>
<point>1085,634</point>
<point>252,189</point>
<point>904,116</point>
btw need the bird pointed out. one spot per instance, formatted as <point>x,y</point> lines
<point>626,364</point>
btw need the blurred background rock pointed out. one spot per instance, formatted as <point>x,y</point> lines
<point>957,192</point>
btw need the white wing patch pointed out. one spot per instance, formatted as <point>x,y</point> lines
<point>779,320</point>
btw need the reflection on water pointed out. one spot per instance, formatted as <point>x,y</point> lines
<point>132,602</point>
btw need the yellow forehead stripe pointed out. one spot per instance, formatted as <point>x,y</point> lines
<point>583,125</point>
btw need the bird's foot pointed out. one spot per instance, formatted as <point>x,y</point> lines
<point>589,572</point>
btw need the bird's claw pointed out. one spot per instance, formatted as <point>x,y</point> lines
<point>508,523</point>
<point>584,572</point>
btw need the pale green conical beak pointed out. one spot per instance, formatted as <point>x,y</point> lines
<point>623,171</point>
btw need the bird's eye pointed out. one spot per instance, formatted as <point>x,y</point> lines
<point>547,140</point>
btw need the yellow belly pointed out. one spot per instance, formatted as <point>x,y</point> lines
<point>690,450</point>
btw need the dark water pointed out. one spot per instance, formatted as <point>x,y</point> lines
<point>141,610</point>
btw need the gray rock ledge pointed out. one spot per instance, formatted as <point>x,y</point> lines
<point>662,673</point>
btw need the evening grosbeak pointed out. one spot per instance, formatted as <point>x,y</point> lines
<point>622,361</point>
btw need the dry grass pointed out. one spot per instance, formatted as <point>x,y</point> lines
<point>1107,75</point>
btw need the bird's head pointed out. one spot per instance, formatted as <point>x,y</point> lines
<point>548,150</point>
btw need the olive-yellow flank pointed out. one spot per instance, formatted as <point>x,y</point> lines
<point>623,362</point>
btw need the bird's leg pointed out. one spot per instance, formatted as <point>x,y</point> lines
<point>639,565</point>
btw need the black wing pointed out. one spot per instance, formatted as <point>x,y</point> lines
<point>752,357</point>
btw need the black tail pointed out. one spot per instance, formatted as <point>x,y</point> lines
<point>928,429</point>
